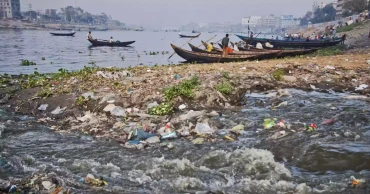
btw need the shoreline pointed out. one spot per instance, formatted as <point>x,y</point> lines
<point>135,88</point>
<point>118,103</point>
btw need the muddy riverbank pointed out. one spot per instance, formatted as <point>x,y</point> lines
<point>308,113</point>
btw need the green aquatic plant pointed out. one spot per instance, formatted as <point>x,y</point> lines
<point>165,108</point>
<point>329,51</point>
<point>226,75</point>
<point>278,74</point>
<point>348,28</point>
<point>43,58</point>
<point>224,87</point>
<point>185,89</point>
<point>81,101</point>
<point>45,92</point>
<point>27,63</point>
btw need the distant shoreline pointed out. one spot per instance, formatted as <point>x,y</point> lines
<point>29,25</point>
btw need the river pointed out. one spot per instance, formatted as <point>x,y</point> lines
<point>249,165</point>
<point>72,53</point>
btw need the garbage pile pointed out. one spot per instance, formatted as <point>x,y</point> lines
<point>38,183</point>
<point>50,183</point>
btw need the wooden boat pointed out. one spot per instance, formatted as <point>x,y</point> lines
<point>215,58</point>
<point>63,34</point>
<point>282,53</point>
<point>293,43</point>
<point>107,43</point>
<point>189,36</point>
<point>219,51</point>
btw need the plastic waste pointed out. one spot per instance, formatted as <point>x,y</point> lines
<point>118,112</point>
<point>329,67</point>
<point>203,128</point>
<point>328,122</point>
<point>198,141</point>
<point>269,123</point>
<point>171,135</point>
<point>134,142</point>
<point>153,139</point>
<point>238,128</point>
<point>177,77</point>
<point>139,134</point>
<point>153,104</point>
<point>182,107</point>
<point>43,107</point>
<point>58,110</point>
<point>109,107</point>
<point>312,127</point>
<point>91,180</point>
<point>89,95</point>
<point>361,87</point>
<point>229,138</point>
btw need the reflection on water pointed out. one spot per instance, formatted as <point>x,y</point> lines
<point>73,53</point>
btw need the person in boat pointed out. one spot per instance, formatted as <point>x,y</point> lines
<point>225,45</point>
<point>315,38</point>
<point>251,36</point>
<point>89,37</point>
<point>210,47</point>
<point>343,38</point>
<point>229,50</point>
<point>111,40</point>
<point>259,46</point>
<point>308,39</point>
<point>277,37</point>
<point>236,47</point>
<point>268,45</point>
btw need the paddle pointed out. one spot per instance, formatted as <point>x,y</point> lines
<point>208,40</point>
<point>181,46</point>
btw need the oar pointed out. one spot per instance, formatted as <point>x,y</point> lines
<point>208,40</point>
<point>181,46</point>
<point>257,35</point>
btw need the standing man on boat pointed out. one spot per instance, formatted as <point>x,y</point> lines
<point>225,45</point>
<point>89,37</point>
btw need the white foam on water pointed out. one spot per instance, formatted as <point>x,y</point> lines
<point>85,163</point>
<point>139,176</point>
<point>238,171</point>
<point>183,183</point>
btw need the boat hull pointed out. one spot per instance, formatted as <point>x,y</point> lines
<point>292,43</point>
<point>187,36</point>
<point>217,58</point>
<point>63,34</point>
<point>280,53</point>
<point>113,44</point>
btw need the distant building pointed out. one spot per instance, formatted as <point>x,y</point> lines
<point>253,21</point>
<point>51,13</point>
<point>268,21</point>
<point>287,21</point>
<point>10,9</point>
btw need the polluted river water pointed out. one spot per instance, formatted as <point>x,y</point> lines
<point>261,161</point>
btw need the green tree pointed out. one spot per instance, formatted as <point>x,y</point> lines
<point>355,6</point>
<point>325,14</point>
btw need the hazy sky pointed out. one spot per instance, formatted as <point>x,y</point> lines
<point>174,13</point>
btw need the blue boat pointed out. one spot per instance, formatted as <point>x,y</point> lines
<point>298,43</point>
